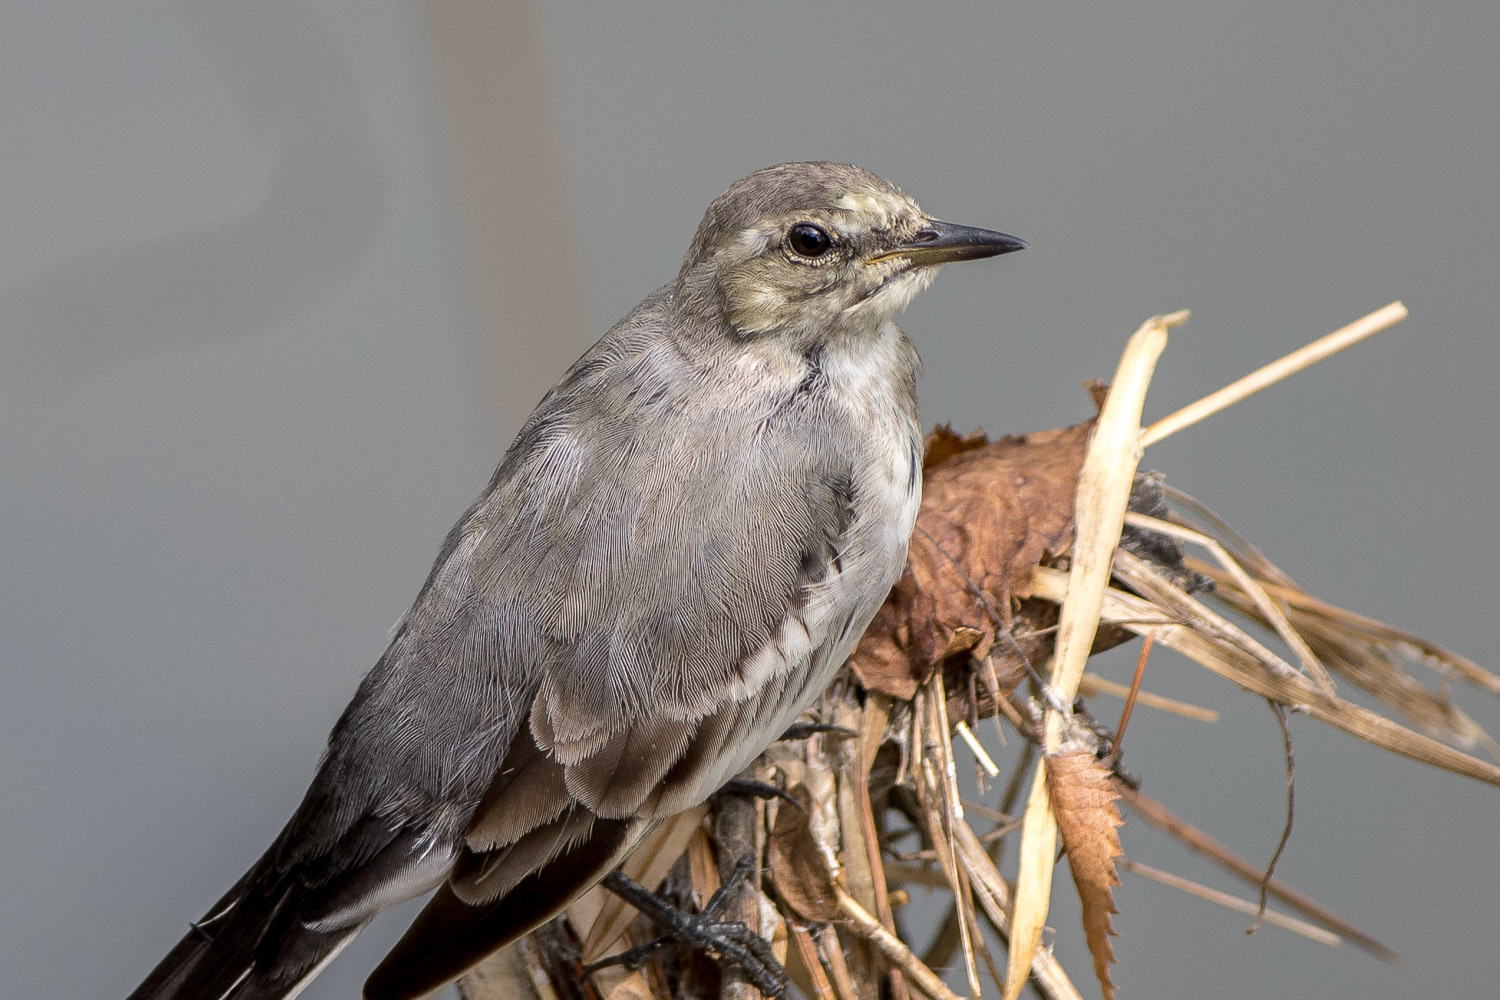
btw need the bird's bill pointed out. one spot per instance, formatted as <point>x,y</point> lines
<point>944,242</point>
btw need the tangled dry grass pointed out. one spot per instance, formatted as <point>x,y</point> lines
<point>1031,553</point>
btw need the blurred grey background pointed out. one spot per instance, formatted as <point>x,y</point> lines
<point>278,281</point>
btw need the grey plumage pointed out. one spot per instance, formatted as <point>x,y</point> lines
<point>680,548</point>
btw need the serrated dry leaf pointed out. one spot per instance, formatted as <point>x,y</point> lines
<point>990,512</point>
<point>1083,800</point>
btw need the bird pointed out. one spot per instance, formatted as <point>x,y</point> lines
<point>671,562</point>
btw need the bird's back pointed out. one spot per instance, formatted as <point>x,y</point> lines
<point>683,544</point>
<point>680,548</point>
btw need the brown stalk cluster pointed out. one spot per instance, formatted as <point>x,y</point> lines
<point>873,809</point>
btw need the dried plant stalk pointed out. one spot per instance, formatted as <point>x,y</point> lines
<point>1304,357</point>
<point>1270,613</point>
<point>994,896</point>
<point>1366,655</point>
<point>1159,816</point>
<point>874,717</point>
<point>1103,493</point>
<point>1234,903</point>
<point>977,749</point>
<point>893,948</point>
<point>1093,684</point>
<point>1210,640</point>
<point>807,954</point>
<point>983,603</point>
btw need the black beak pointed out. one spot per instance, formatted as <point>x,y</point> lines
<point>943,242</point>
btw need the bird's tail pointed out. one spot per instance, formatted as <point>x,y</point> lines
<point>293,912</point>
<point>250,946</point>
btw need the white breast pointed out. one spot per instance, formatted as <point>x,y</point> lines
<point>862,378</point>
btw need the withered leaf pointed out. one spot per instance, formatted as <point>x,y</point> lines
<point>1083,800</point>
<point>943,442</point>
<point>991,510</point>
<point>799,868</point>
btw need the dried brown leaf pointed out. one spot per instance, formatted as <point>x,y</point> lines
<point>943,442</point>
<point>990,512</point>
<point>820,987</point>
<point>799,867</point>
<point>1083,800</point>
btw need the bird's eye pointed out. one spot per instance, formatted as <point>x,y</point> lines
<point>808,240</point>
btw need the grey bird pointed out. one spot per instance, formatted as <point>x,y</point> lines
<point>677,553</point>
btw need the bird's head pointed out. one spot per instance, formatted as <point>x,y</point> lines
<point>811,249</point>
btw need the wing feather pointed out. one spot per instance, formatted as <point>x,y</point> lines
<point>679,565</point>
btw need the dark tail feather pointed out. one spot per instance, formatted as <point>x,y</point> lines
<point>291,913</point>
<point>250,946</point>
<point>450,936</point>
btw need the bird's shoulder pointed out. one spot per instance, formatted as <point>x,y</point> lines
<point>661,518</point>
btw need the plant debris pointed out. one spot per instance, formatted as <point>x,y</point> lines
<point>1083,798</point>
<point>1030,553</point>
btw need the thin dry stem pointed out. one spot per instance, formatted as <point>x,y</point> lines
<point>1093,684</point>
<point>1159,816</point>
<point>1291,812</point>
<point>1230,902</point>
<point>1147,641</point>
<point>950,814</point>
<point>874,717</point>
<point>977,749</point>
<point>832,954</point>
<point>893,948</point>
<point>1267,607</point>
<point>1274,372</point>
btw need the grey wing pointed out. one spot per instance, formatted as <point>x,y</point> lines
<point>679,600</point>
<point>685,588</point>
